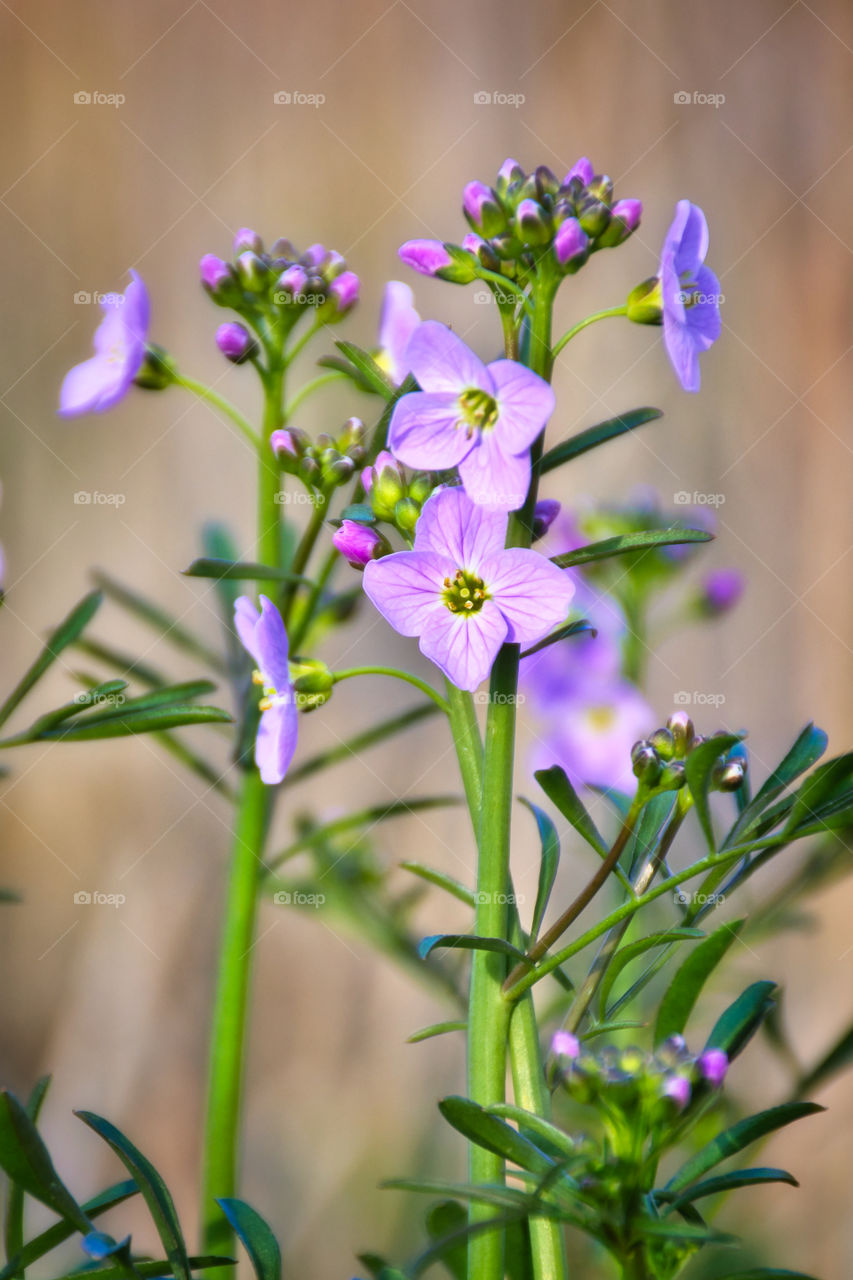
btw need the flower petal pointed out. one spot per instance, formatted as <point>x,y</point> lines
<point>530,591</point>
<point>424,430</point>
<point>451,525</point>
<point>682,351</point>
<point>91,387</point>
<point>494,479</point>
<point>397,322</point>
<point>276,741</point>
<point>704,316</point>
<point>691,247</point>
<point>464,646</point>
<point>525,403</point>
<point>245,621</point>
<point>406,588</point>
<point>442,362</point>
<point>272,645</point>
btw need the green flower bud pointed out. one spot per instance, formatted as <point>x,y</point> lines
<point>729,775</point>
<point>420,487</point>
<point>593,215</point>
<point>312,683</point>
<point>252,272</point>
<point>645,302</point>
<point>601,188</point>
<point>547,182</point>
<point>645,763</point>
<point>681,727</point>
<point>406,514</point>
<point>157,371</point>
<point>386,491</point>
<point>663,743</point>
<point>673,776</point>
<point>533,225</point>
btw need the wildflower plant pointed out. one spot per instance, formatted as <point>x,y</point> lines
<point>617,1141</point>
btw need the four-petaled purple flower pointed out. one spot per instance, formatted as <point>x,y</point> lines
<point>462,592</point>
<point>690,293</point>
<point>100,382</point>
<point>397,322</point>
<point>479,418</point>
<point>264,637</point>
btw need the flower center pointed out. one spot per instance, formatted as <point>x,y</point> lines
<point>272,697</point>
<point>478,410</point>
<point>601,718</point>
<point>464,592</point>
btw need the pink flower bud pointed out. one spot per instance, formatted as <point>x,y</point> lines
<point>358,543</point>
<point>426,256</point>
<point>214,272</point>
<point>235,342</point>
<point>713,1065</point>
<point>678,1089</point>
<point>571,242</point>
<point>582,169</point>
<point>247,239</point>
<point>565,1045</point>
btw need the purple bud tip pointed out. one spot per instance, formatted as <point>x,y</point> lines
<point>581,169</point>
<point>629,212</point>
<point>675,1043</point>
<point>245,239</point>
<point>508,169</point>
<point>234,341</point>
<point>544,514</point>
<point>565,1045</point>
<point>678,1089</point>
<point>473,243</point>
<point>570,242</point>
<point>214,271</point>
<point>344,290</point>
<point>713,1064</point>
<point>722,589</point>
<point>292,281</point>
<point>358,543</point>
<point>474,197</point>
<point>426,256</point>
<point>281,443</point>
<point>314,255</point>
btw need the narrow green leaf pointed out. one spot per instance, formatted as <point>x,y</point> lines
<point>735,1139</point>
<point>726,1182</point>
<point>467,942</point>
<point>562,633</point>
<point>769,1273</point>
<point>820,790</point>
<point>62,1231</point>
<point>239,571</point>
<point>555,783</point>
<point>26,1161</point>
<point>646,540</point>
<point>698,768</point>
<point>553,1141</point>
<point>839,1058</point>
<point>14,1224</point>
<point>64,635</point>
<point>493,1134</point>
<point>152,1270</point>
<point>371,373</point>
<point>806,751</point>
<point>735,1028</point>
<point>631,950</point>
<point>446,1225</point>
<point>259,1241</point>
<point>486,1193</point>
<point>442,881</point>
<point>154,1192</point>
<point>361,741</point>
<point>594,436</point>
<point>436,1029</point>
<point>549,861</point>
<point>167,627</point>
<point>152,721</point>
<point>683,992</point>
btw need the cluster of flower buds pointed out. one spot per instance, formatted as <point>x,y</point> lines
<point>659,760</point>
<point>326,462</point>
<point>278,282</point>
<point>668,1079</point>
<point>392,495</point>
<point>525,215</point>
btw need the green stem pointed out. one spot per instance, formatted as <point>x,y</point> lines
<point>298,345</point>
<point>301,621</point>
<point>228,1032</point>
<point>397,675</point>
<point>219,402</point>
<point>269,479</point>
<point>309,388</point>
<point>302,555</point>
<point>584,324</point>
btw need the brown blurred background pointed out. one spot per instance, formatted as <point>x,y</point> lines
<point>115,1002</point>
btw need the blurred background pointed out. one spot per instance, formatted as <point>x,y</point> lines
<point>406,101</point>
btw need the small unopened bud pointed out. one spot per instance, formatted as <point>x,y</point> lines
<point>645,302</point>
<point>593,215</point>
<point>289,442</point>
<point>291,283</point>
<point>532,223</point>
<point>429,257</point>
<point>252,272</point>
<point>565,1045</point>
<point>645,763</point>
<point>677,1089</point>
<point>601,186</point>
<point>247,239</point>
<point>624,220</point>
<point>509,174</point>
<point>547,182</point>
<point>482,251</point>
<point>720,591</point>
<point>312,683</point>
<point>581,171</point>
<point>713,1065</point>
<point>673,776</point>
<point>681,727</point>
<point>343,294</point>
<point>235,342</point>
<point>386,489</point>
<point>359,543</point>
<point>729,775</point>
<point>406,514</point>
<point>481,208</point>
<point>157,371</point>
<point>314,255</point>
<point>663,743</point>
<point>282,248</point>
<point>544,514</point>
<point>218,279</point>
<point>571,243</point>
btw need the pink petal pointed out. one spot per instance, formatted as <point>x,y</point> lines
<point>397,323</point>
<point>276,741</point>
<point>442,362</point>
<point>451,525</point>
<point>493,479</point>
<point>525,403</point>
<point>89,387</point>
<point>464,646</point>
<point>424,431</point>
<point>406,588</point>
<point>272,645</point>
<point>530,591</point>
<point>245,621</point>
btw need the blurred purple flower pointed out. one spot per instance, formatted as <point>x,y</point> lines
<point>481,418</point>
<point>713,1065</point>
<point>397,322</point>
<point>690,293</point>
<point>721,590</point>
<point>593,729</point>
<point>462,592</point>
<point>99,383</point>
<point>264,637</point>
<point>565,1045</point>
<point>678,1089</point>
<point>544,514</point>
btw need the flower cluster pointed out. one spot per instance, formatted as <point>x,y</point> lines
<point>662,1083</point>
<point>659,760</point>
<point>323,463</point>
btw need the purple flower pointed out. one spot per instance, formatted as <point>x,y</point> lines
<point>99,383</point>
<point>713,1065</point>
<point>358,543</point>
<point>426,256</point>
<point>565,1045</point>
<point>481,418</point>
<point>721,590</point>
<point>462,592</point>
<point>690,293</point>
<point>264,637</point>
<point>594,728</point>
<point>397,322</point>
<point>678,1089</point>
<point>581,169</point>
<point>235,342</point>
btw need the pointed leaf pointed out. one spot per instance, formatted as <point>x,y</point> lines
<point>548,864</point>
<point>153,721</point>
<point>820,790</point>
<point>555,783</point>
<point>26,1161</point>
<point>806,751</point>
<point>632,950</point>
<point>239,571</point>
<point>594,436</point>
<point>646,540</point>
<point>467,942</point>
<point>436,1029</point>
<point>62,1231</point>
<point>736,1027</point>
<point>553,1141</point>
<point>259,1241</point>
<point>153,1188</point>
<point>727,1182</point>
<point>370,373</point>
<point>562,633</point>
<point>446,1223</point>
<point>735,1139</point>
<point>690,978</point>
<point>493,1134</point>
<point>64,635</point>
<point>14,1224</point>
<point>698,768</point>
<point>442,881</point>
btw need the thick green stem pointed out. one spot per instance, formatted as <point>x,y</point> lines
<point>228,1033</point>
